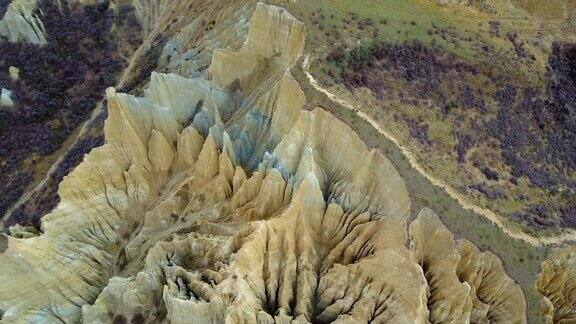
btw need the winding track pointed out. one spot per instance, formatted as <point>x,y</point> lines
<point>569,236</point>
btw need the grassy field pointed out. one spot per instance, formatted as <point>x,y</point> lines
<point>348,21</point>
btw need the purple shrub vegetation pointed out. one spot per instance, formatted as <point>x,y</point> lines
<point>543,153</point>
<point>46,199</point>
<point>490,174</point>
<point>420,67</point>
<point>535,125</point>
<point>465,143</point>
<point>489,191</point>
<point>60,83</point>
<point>3,7</point>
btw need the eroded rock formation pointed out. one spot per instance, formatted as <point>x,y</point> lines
<point>20,24</point>
<point>557,284</point>
<point>219,199</point>
<point>5,98</point>
<point>180,35</point>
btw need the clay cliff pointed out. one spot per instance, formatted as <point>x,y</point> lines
<point>557,284</point>
<point>20,24</point>
<point>217,198</point>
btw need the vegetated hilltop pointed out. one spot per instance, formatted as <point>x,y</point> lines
<point>482,92</point>
<point>218,198</point>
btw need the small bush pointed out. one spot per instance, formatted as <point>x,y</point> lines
<point>518,44</point>
<point>465,143</point>
<point>490,174</point>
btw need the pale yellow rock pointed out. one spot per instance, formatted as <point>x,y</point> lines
<point>495,296</point>
<point>219,200</point>
<point>5,98</point>
<point>20,24</point>
<point>449,299</point>
<point>194,29</point>
<point>14,73</point>
<point>160,152</point>
<point>557,285</point>
<point>278,48</point>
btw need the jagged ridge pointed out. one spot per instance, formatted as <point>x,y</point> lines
<point>219,199</point>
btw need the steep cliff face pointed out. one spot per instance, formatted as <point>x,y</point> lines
<point>20,24</point>
<point>557,284</point>
<point>180,36</point>
<point>218,199</point>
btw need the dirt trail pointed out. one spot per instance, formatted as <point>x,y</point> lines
<point>463,201</point>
